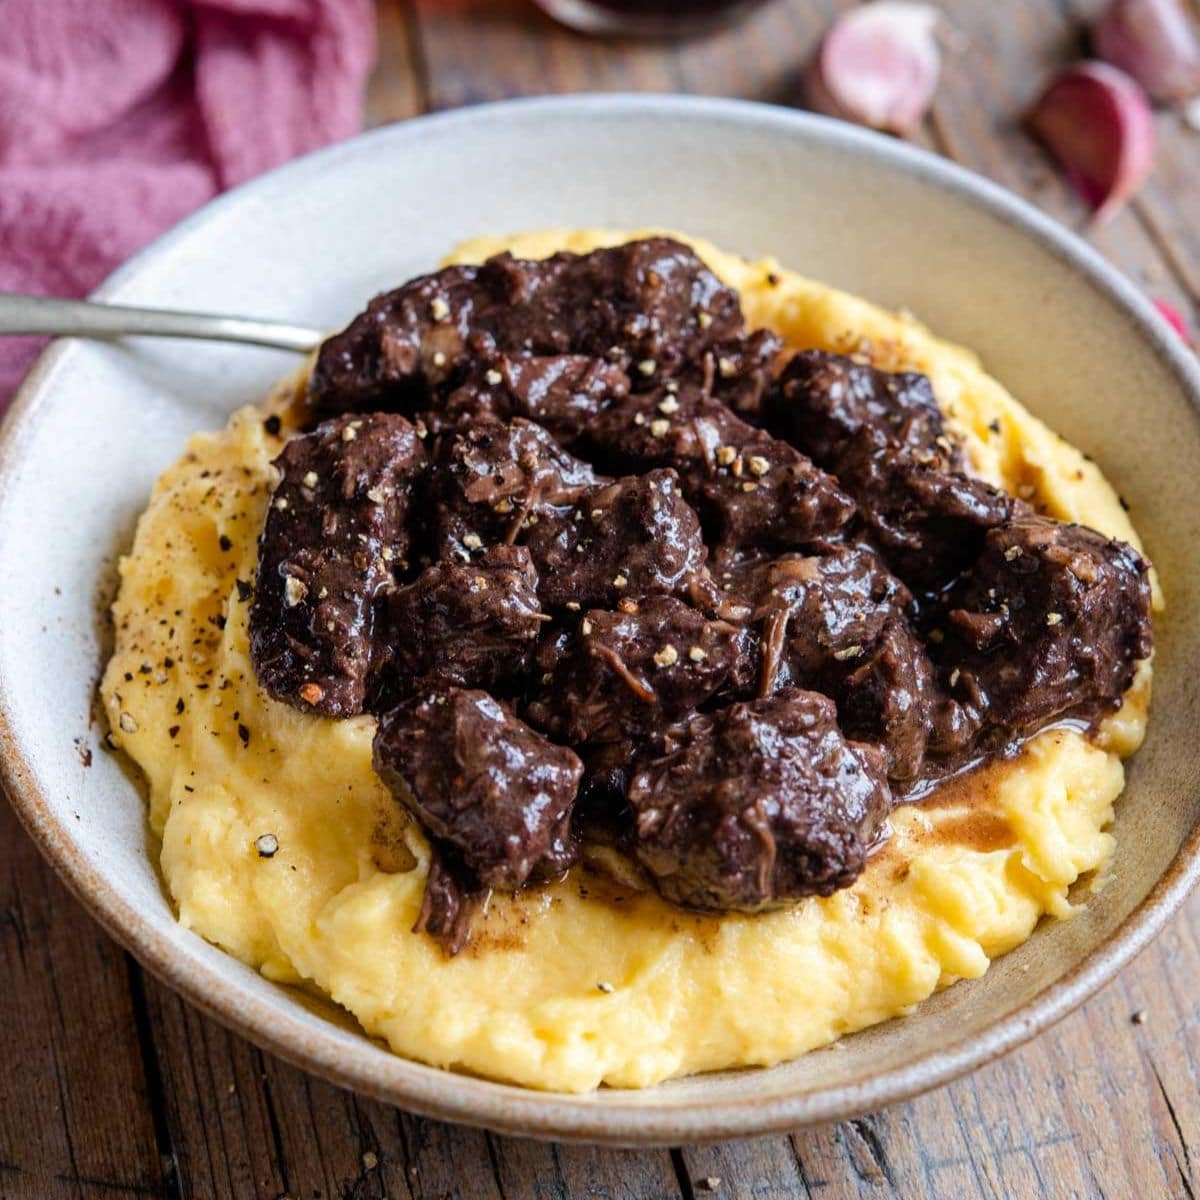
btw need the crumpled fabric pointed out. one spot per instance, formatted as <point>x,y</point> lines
<point>119,117</point>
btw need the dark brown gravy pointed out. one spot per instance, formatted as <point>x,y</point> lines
<point>982,831</point>
<point>962,809</point>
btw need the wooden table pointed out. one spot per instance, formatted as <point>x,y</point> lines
<point>112,1087</point>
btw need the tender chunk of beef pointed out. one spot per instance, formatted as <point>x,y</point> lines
<point>563,392</point>
<point>481,782</point>
<point>836,623</point>
<point>633,672</point>
<point>649,306</point>
<point>762,803</point>
<point>452,896</point>
<point>929,524</point>
<point>750,489</point>
<point>763,493</point>
<point>1051,622</point>
<point>825,401</point>
<point>882,435</point>
<point>606,764</point>
<point>626,539</point>
<point>465,624</point>
<point>492,479</point>
<point>742,369</point>
<point>841,591</point>
<point>889,698</point>
<point>336,525</point>
<point>677,424</point>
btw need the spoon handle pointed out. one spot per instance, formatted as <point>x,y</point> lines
<point>85,318</point>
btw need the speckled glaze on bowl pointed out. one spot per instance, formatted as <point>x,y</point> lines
<point>94,424</point>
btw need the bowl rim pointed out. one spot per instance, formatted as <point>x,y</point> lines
<point>445,1095</point>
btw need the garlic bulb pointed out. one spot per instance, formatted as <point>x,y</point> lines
<point>1097,122</point>
<point>877,65</point>
<point>1153,41</point>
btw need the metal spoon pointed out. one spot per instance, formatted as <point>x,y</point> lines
<point>86,318</point>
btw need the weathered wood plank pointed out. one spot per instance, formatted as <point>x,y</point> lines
<point>217,1108</point>
<point>762,1169</point>
<point>478,50</point>
<point>75,1118</point>
<point>246,1124</point>
<point>432,1159</point>
<point>544,1171</point>
<point>396,89</point>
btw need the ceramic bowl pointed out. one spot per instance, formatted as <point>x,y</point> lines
<point>94,424</point>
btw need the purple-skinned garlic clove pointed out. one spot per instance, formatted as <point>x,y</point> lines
<point>1097,123</point>
<point>878,66</point>
<point>1155,43</point>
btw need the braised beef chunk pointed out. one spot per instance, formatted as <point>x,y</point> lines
<point>749,488</point>
<point>452,894</point>
<point>929,524</point>
<point>404,345</point>
<point>764,494</point>
<point>563,392</point>
<point>336,526</point>
<point>676,425</point>
<point>626,539</point>
<point>889,699</point>
<point>465,624</point>
<point>823,402</point>
<point>482,782</point>
<point>648,306</point>
<point>742,369</point>
<point>634,671</point>
<point>882,435</point>
<point>846,591</point>
<point>763,803</point>
<point>494,479</point>
<point>836,623</point>
<point>1051,622</point>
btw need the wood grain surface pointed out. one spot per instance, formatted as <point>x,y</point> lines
<point>111,1087</point>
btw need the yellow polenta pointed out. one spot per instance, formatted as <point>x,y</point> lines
<point>584,982</point>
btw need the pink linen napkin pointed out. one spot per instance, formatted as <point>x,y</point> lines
<point>118,117</point>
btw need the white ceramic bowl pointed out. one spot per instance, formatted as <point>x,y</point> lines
<point>94,424</point>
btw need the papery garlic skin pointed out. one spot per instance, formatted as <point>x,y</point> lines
<point>1097,122</point>
<point>878,66</point>
<point>1154,42</point>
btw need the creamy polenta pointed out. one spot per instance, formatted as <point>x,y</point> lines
<point>281,845</point>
